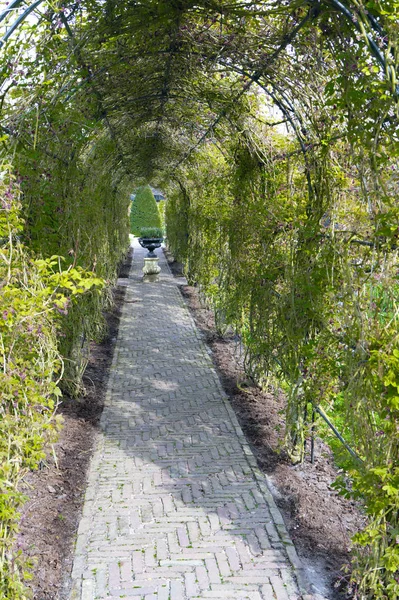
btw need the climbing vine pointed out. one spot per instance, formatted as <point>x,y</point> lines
<point>36,295</point>
<point>299,254</point>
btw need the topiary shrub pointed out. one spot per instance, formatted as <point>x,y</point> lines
<point>144,211</point>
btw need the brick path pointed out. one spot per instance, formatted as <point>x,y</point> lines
<point>175,507</point>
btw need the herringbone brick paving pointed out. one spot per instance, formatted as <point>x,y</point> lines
<point>175,506</point>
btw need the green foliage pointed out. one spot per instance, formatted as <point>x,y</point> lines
<point>151,232</point>
<point>36,295</point>
<point>292,237</point>
<point>144,211</point>
<point>317,313</point>
<point>81,213</point>
<point>161,210</point>
<point>177,218</point>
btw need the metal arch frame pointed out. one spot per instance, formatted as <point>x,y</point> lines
<point>372,45</point>
<point>314,10</point>
<point>19,20</point>
<point>350,16</point>
<point>288,110</point>
<point>314,4</point>
<point>9,8</point>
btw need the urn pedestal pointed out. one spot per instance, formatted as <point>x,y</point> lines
<point>151,269</point>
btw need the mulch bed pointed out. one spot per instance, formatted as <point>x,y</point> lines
<point>319,521</point>
<point>51,516</point>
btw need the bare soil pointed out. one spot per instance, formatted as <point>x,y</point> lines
<point>319,521</point>
<point>51,516</point>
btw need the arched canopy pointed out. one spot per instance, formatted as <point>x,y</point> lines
<point>100,96</point>
<point>163,77</point>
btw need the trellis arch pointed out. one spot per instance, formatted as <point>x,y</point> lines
<point>102,95</point>
<point>360,21</point>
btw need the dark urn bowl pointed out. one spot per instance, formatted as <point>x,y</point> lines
<point>150,244</point>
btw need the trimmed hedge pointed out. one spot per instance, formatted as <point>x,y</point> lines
<point>144,211</point>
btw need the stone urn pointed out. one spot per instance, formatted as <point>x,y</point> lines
<point>150,244</point>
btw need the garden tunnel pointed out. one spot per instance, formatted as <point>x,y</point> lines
<point>272,126</point>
